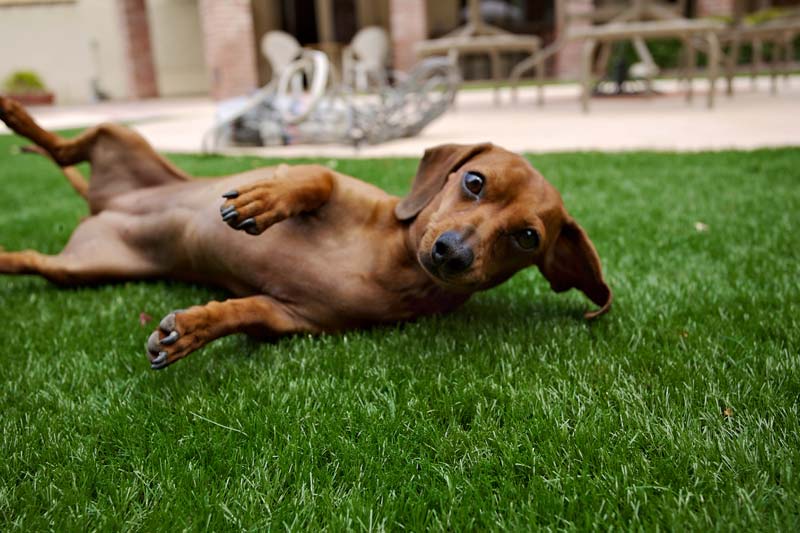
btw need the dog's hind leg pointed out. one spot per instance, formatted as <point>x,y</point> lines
<point>103,248</point>
<point>67,269</point>
<point>120,158</point>
<point>73,175</point>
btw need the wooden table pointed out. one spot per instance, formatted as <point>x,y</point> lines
<point>477,37</point>
<point>637,22</point>
<point>493,45</point>
<point>686,30</point>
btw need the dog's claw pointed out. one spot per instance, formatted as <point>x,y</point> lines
<point>170,339</point>
<point>159,362</point>
<point>231,194</point>
<point>166,335</point>
<point>247,224</point>
<point>152,342</point>
<point>167,324</point>
<point>229,214</point>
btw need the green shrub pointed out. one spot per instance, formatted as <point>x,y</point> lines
<point>23,81</point>
<point>767,15</point>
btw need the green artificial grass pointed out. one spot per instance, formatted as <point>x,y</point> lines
<point>678,410</point>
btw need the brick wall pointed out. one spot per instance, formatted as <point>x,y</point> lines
<point>568,60</point>
<point>230,47</point>
<point>135,27</point>
<point>408,25</point>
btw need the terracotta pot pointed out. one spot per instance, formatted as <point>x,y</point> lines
<point>29,99</point>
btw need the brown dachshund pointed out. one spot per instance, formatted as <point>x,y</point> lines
<point>304,248</point>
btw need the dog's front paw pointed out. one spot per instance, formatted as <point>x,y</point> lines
<point>175,338</point>
<point>255,207</point>
<point>253,210</point>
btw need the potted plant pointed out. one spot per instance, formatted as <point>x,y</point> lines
<point>27,87</point>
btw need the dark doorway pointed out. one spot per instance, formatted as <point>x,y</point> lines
<point>344,20</point>
<point>300,19</point>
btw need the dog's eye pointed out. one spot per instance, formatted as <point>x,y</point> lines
<point>473,183</point>
<point>528,239</point>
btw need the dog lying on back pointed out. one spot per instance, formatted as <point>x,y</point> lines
<point>304,248</point>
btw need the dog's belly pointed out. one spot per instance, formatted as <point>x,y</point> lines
<point>325,277</point>
<point>328,266</point>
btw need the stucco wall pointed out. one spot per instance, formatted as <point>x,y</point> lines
<point>177,39</point>
<point>67,45</point>
<point>70,44</point>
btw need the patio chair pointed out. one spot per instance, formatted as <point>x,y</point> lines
<point>331,113</point>
<point>366,59</point>
<point>281,50</point>
<point>635,24</point>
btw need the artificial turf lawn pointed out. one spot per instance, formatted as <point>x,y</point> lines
<point>678,409</point>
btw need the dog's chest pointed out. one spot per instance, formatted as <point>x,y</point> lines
<point>341,277</point>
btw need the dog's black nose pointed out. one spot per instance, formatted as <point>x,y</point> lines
<point>450,252</point>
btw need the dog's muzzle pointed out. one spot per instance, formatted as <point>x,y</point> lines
<point>450,254</point>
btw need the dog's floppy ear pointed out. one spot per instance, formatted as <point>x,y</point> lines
<point>437,163</point>
<point>572,262</point>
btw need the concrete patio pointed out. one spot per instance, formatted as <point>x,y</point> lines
<point>753,118</point>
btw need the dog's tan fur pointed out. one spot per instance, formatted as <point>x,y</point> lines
<point>319,251</point>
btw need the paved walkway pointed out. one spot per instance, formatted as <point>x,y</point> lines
<point>752,118</point>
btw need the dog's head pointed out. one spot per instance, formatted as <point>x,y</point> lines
<point>479,214</point>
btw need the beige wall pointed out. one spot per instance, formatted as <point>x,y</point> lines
<point>70,44</point>
<point>67,45</point>
<point>177,41</point>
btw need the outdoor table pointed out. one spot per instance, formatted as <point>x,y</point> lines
<point>687,30</point>
<point>492,45</point>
